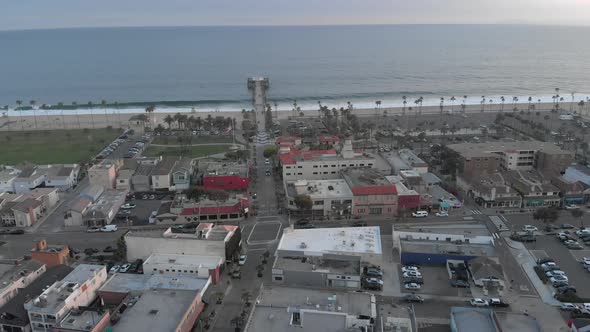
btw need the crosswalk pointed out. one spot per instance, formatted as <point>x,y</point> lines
<point>262,138</point>
<point>476,211</point>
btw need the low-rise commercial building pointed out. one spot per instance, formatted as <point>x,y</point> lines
<point>13,316</point>
<point>206,240</point>
<point>104,210</point>
<point>62,177</point>
<point>74,216</point>
<point>491,191</point>
<point>326,257</point>
<point>467,319</point>
<point>572,192</point>
<point>235,208</point>
<point>124,179</point>
<point>322,164</point>
<point>577,173</point>
<point>225,175</point>
<point>407,199</point>
<point>373,193</point>
<point>14,277</point>
<point>84,320</point>
<point>142,178</point>
<point>77,289</point>
<point>155,302</point>
<point>161,175</point>
<point>8,175</point>
<point>331,198</point>
<point>185,265</point>
<point>50,255</point>
<point>24,210</point>
<point>535,189</point>
<point>296,309</point>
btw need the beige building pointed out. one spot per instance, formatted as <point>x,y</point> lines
<point>103,174</point>
<point>77,289</point>
<point>14,277</point>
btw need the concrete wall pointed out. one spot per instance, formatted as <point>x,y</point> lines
<point>161,181</point>
<point>75,219</point>
<point>143,247</point>
<point>431,259</point>
<point>141,183</point>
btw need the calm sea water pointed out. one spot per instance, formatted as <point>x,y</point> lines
<point>208,67</point>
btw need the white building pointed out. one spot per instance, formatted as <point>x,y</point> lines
<point>184,265</point>
<point>15,277</point>
<point>322,164</point>
<point>29,178</point>
<point>330,197</point>
<point>326,257</point>
<point>77,289</point>
<point>7,176</point>
<point>62,177</point>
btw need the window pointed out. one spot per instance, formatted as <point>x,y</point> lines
<point>299,166</point>
<point>318,202</point>
<point>333,165</point>
<point>278,278</point>
<point>333,172</point>
<point>287,173</point>
<point>173,270</point>
<point>288,167</point>
<point>325,166</point>
<point>375,211</point>
<point>299,173</point>
<point>361,164</point>
<point>325,172</point>
<point>315,173</point>
<point>296,319</point>
<point>315,166</point>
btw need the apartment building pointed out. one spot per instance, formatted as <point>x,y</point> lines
<point>322,164</point>
<point>14,277</point>
<point>225,175</point>
<point>77,289</point>
<point>104,174</point>
<point>373,193</point>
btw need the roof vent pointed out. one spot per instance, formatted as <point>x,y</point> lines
<point>303,245</point>
<point>153,312</point>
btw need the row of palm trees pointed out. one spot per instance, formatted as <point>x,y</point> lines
<point>184,121</point>
<point>61,106</point>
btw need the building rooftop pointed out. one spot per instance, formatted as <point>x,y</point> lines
<point>531,182</point>
<point>328,139</point>
<point>343,240</point>
<point>225,168</point>
<point>400,187</point>
<point>81,320</point>
<point>14,312</point>
<point>27,172</point>
<point>209,233</point>
<point>485,149</point>
<point>104,164</point>
<point>92,192</point>
<point>156,310</point>
<point>125,174</point>
<point>7,174</point>
<point>144,169</point>
<point>164,167</point>
<point>317,189</point>
<point>430,178</point>
<point>467,229</point>
<point>12,272</point>
<point>55,297</point>
<point>294,156</point>
<point>367,181</point>
<point>104,204</point>
<point>137,283</point>
<point>320,310</point>
<point>27,204</point>
<point>411,158</point>
<point>202,261</point>
<point>79,204</point>
<point>309,264</point>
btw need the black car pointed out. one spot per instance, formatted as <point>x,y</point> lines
<point>550,228</point>
<point>16,232</point>
<point>305,226</point>
<point>90,251</point>
<point>567,226</point>
<point>359,224</point>
<point>413,298</point>
<point>580,313</point>
<point>109,249</point>
<point>545,260</point>
<point>460,284</point>
<point>566,289</point>
<point>498,303</point>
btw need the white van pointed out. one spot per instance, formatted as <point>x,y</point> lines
<point>420,214</point>
<point>109,228</point>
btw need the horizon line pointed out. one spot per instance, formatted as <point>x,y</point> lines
<point>291,25</point>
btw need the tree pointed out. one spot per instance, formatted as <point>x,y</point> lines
<point>168,119</point>
<point>303,202</point>
<point>121,251</point>
<point>502,99</point>
<point>546,215</point>
<point>159,128</point>
<point>33,102</point>
<point>270,151</point>
<point>577,213</point>
<point>150,111</point>
<point>104,106</point>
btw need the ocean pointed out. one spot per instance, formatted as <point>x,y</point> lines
<point>178,68</point>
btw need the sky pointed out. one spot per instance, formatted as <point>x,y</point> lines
<point>42,14</point>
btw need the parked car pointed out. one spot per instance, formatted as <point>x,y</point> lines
<point>583,231</point>
<point>571,207</point>
<point>418,280</point>
<point>574,246</point>
<point>90,251</point>
<point>496,302</point>
<point>407,268</point>
<point>559,283</point>
<point>305,226</point>
<point>549,266</point>
<point>558,279</point>
<point>567,289</point>
<point>442,214</point>
<point>125,268</point>
<point>373,283</point>
<point>567,226</point>
<point>567,306</point>
<point>477,302</point>
<point>580,313</point>
<point>109,249</point>
<point>115,269</point>
<point>550,228</point>
<point>460,283</point>
<point>412,274</point>
<point>545,260</point>
<point>411,286</point>
<point>242,260</point>
<point>374,272</point>
<point>128,206</point>
<point>267,173</point>
<point>413,298</point>
<point>420,214</point>
<point>529,228</point>
<point>16,232</point>
<point>109,228</point>
<point>555,273</point>
<point>359,224</point>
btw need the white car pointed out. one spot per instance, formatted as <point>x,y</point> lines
<point>571,207</point>
<point>115,269</point>
<point>266,161</point>
<point>412,286</point>
<point>555,279</point>
<point>242,260</point>
<point>477,302</point>
<point>93,229</point>
<point>529,228</point>
<point>128,206</point>
<point>124,268</point>
<point>420,214</point>
<point>414,274</point>
<point>567,307</point>
<point>442,214</point>
<point>583,232</point>
<point>585,260</point>
<point>586,306</point>
<point>409,268</point>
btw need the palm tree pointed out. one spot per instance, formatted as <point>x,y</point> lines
<point>32,103</point>
<point>490,103</point>
<point>294,107</point>
<point>581,106</point>
<point>514,101</point>
<point>60,104</point>
<point>63,119</point>
<point>198,122</point>
<point>539,103</point>
<point>464,105</point>
<point>91,113</point>
<point>404,102</point>
<point>442,101</point>
<point>178,118</point>
<point>19,103</point>
<point>502,99</point>
<point>452,103</point>
<point>530,100</point>
<point>483,103</point>
<point>557,98</point>
<point>74,106</point>
<point>168,119</point>
<point>421,100</point>
<point>104,104</point>
<point>150,111</point>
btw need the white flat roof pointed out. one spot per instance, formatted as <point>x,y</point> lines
<point>210,262</point>
<point>343,240</point>
<point>321,189</point>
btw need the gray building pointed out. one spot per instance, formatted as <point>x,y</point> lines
<point>141,180</point>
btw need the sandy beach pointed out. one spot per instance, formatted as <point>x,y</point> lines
<point>117,119</point>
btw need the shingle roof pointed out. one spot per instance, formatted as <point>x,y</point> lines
<point>27,204</point>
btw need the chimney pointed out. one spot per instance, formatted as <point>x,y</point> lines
<point>41,245</point>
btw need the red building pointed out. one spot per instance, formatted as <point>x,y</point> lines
<point>226,176</point>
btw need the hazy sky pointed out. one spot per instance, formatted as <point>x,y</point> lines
<point>34,14</point>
